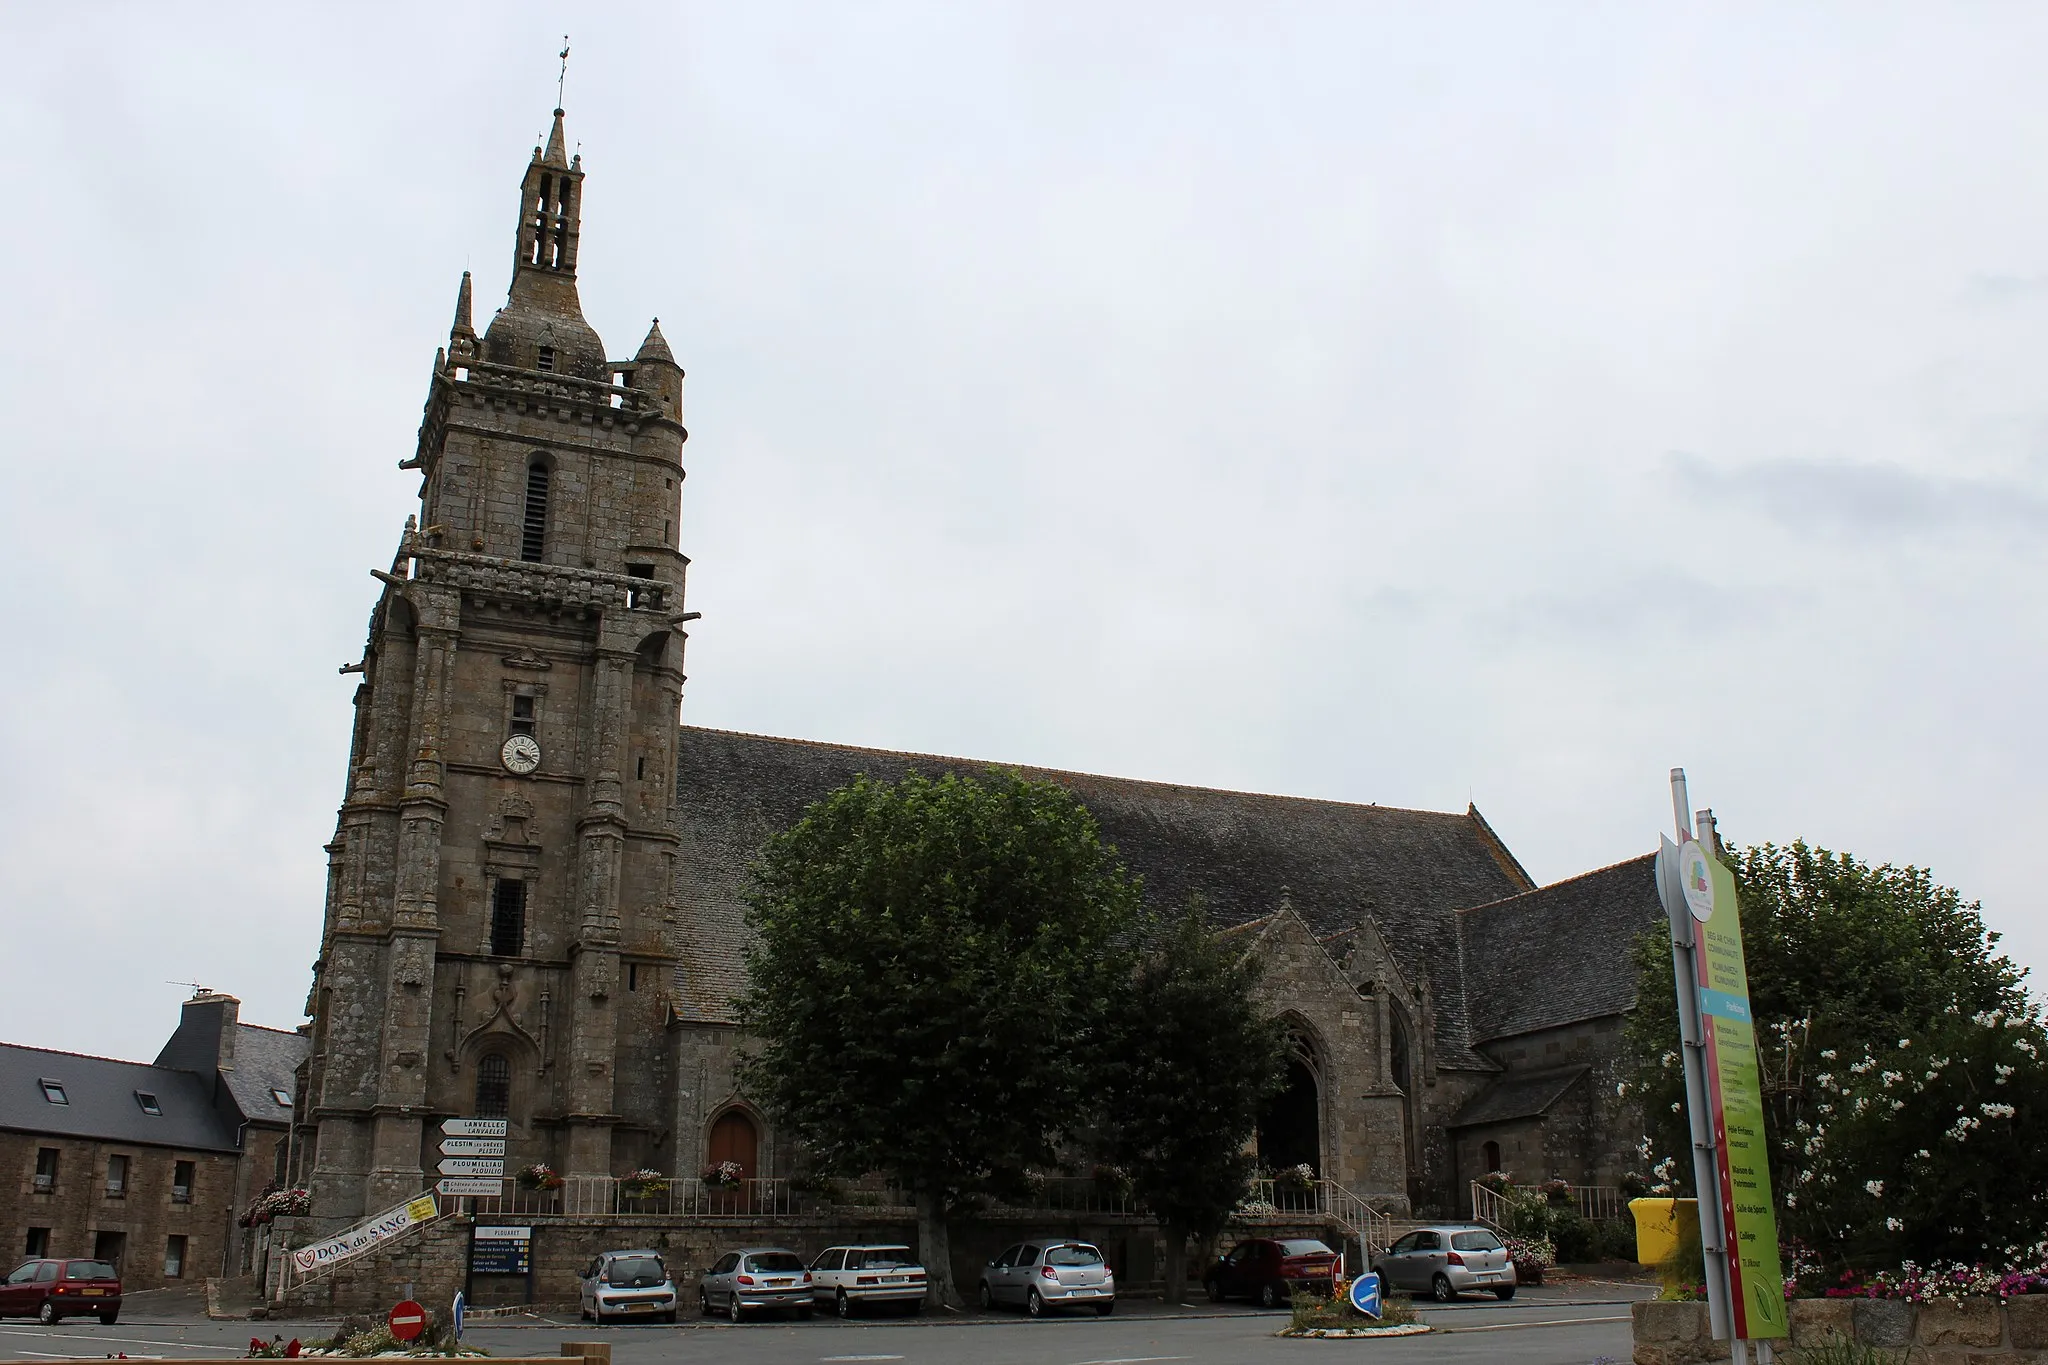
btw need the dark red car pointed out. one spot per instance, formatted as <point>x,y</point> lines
<point>1270,1271</point>
<point>50,1291</point>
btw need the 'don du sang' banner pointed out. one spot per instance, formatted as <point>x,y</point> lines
<point>1756,1279</point>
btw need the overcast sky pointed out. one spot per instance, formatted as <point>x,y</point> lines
<point>1410,404</point>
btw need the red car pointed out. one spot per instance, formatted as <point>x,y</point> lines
<point>50,1291</point>
<point>1270,1271</point>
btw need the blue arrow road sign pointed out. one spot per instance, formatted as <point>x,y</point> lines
<point>1365,1295</point>
<point>458,1316</point>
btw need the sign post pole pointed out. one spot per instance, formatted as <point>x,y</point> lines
<point>1724,1100</point>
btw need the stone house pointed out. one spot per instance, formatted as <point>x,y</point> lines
<point>146,1165</point>
<point>536,884</point>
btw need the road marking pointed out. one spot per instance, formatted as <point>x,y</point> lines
<point>835,1358</point>
<point>214,1348</point>
<point>1128,1360</point>
<point>1516,1326</point>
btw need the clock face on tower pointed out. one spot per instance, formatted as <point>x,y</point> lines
<point>520,755</point>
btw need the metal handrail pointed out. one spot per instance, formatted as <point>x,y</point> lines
<point>1595,1203</point>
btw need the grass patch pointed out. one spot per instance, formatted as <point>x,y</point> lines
<point>1313,1311</point>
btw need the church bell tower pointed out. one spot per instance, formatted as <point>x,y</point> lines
<point>500,889</point>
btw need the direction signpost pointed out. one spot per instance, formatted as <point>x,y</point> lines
<point>472,1157</point>
<point>1724,1101</point>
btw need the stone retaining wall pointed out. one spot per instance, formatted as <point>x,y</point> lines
<point>434,1261</point>
<point>1976,1332</point>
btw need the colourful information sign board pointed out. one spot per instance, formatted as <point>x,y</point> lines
<point>1756,1281</point>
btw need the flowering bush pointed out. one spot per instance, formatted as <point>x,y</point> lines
<point>1497,1181</point>
<point>643,1184</point>
<point>538,1177</point>
<point>1952,1282</point>
<point>1557,1190</point>
<point>1531,1252</point>
<point>1255,1208</point>
<point>724,1175</point>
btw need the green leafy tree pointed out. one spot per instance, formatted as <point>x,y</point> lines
<point>1191,1059</point>
<point>928,982</point>
<point>1843,958</point>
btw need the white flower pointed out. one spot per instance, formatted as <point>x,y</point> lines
<point>1825,1078</point>
<point>1923,1154</point>
<point>1874,1187</point>
<point>1996,1111</point>
<point>1827,1054</point>
<point>1676,1107</point>
<point>1791,1201</point>
<point>1895,1225</point>
<point>1887,1078</point>
<point>1897,1105</point>
<point>1905,1042</point>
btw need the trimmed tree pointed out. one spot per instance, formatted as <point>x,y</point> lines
<point>928,979</point>
<point>1190,1062</point>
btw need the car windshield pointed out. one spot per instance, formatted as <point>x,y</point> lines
<point>775,1262</point>
<point>89,1270</point>
<point>1304,1246</point>
<point>879,1258</point>
<point>1072,1255</point>
<point>636,1272</point>
<point>1474,1241</point>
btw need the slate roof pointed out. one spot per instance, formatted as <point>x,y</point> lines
<point>102,1104</point>
<point>265,1058</point>
<point>1523,1096</point>
<point>1412,869</point>
<point>1561,954</point>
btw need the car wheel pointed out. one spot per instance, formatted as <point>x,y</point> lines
<point>1034,1305</point>
<point>109,1319</point>
<point>987,1297</point>
<point>47,1314</point>
<point>842,1305</point>
<point>1506,1291</point>
<point>1103,1310</point>
<point>1440,1289</point>
<point>733,1309</point>
<point>703,1304</point>
<point>1270,1295</point>
<point>1215,1290</point>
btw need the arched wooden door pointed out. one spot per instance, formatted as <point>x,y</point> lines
<point>734,1138</point>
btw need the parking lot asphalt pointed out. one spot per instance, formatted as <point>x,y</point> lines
<point>1551,1326</point>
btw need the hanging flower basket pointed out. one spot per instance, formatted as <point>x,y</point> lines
<point>724,1175</point>
<point>277,1204</point>
<point>538,1177</point>
<point>1300,1177</point>
<point>643,1184</point>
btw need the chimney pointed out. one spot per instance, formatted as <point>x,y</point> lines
<point>205,1040</point>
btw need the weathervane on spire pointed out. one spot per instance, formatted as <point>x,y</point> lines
<point>562,77</point>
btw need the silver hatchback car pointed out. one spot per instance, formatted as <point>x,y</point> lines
<point>755,1280</point>
<point>1047,1274</point>
<point>625,1285</point>
<point>1447,1261</point>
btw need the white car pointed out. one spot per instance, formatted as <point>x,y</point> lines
<point>627,1284</point>
<point>848,1279</point>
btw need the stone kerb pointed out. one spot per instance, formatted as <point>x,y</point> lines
<point>1939,1333</point>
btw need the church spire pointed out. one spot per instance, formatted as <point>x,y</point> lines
<point>555,154</point>
<point>541,326</point>
<point>550,208</point>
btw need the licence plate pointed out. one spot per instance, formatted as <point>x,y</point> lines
<point>640,1308</point>
<point>892,1279</point>
<point>92,1291</point>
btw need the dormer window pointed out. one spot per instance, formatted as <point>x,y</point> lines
<point>281,1097</point>
<point>547,359</point>
<point>53,1091</point>
<point>148,1103</point>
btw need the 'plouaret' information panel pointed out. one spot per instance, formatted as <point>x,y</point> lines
<point>1720,1037</point>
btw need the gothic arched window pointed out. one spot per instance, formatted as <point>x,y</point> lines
<point>493,1087</point>
<point>534,530</point>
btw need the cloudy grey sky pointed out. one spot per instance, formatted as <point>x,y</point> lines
<point>1384,403</point>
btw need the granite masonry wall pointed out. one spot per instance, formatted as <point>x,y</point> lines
<point>1976,1330</point>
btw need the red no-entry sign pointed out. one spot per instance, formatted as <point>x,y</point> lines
<point>408,1320</point>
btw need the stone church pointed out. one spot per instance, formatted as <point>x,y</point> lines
<point>535,892</point>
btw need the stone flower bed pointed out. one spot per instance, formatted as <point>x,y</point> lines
<point>1937,1333</point>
